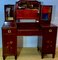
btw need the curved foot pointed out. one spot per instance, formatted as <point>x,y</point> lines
<point>3,57</point>
<point>16,57</point>
<point>53,56</point>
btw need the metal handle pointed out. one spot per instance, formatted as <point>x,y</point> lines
<point>11,42</point>
<point>9,31</point>
<point>37,20</point>
<point>50,30</point>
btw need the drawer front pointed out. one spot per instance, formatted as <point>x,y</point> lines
<point>6,50</point>
<point>49,34</point>
<point>49,48</point>
<point>6,45</point>
<point>6,39</point>
<point>9,40</point>
<point>9,31</point>
<point>28,32</point>
<point>10,44</point>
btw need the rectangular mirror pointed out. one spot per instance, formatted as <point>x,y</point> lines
<point>9,12</point>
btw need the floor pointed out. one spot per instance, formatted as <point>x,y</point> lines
<point>30,54</point>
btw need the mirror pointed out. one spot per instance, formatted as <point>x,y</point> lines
<point>9,12</point>
<point>44,16</point>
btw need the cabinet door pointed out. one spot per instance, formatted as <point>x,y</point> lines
<point>9,31</point>
<point>49,39</point>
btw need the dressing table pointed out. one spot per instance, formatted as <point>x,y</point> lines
<point>42,26</point>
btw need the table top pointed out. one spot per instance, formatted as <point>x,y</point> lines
<point>25,26</point>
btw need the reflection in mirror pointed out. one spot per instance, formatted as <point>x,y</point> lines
<point>9,12</point>
<point>44,16</point>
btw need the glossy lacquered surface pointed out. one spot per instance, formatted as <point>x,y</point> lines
<point>48,32</point>
<point>48,43</point>
<point>9,39</point>
<point>42,26</point>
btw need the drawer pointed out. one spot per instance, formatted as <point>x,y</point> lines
<point>9,31</point>
<point>49,42</point>
<point>48,48</point>
<point>10,50</point>
<point>49,39</point>
<point>48,30</point>
<point>5,40</point>
<point>13,50</point>
<point>28,32</point>
<point>9,39</point>
<point>49,33</point>
<point>6,50</point>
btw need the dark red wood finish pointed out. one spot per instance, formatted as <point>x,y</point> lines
<point>48,43</point>
<point>11,30</point>
<point>28,29</point>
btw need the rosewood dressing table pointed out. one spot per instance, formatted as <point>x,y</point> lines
<point>42,26</point>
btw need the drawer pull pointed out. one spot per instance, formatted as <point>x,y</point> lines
<point>50,30</point>
<point>11,42</point>
<point>9,31</point>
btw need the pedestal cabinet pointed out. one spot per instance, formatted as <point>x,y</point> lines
<point>9,40</point>
<point>48,43</point>
<point>15,25</point>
